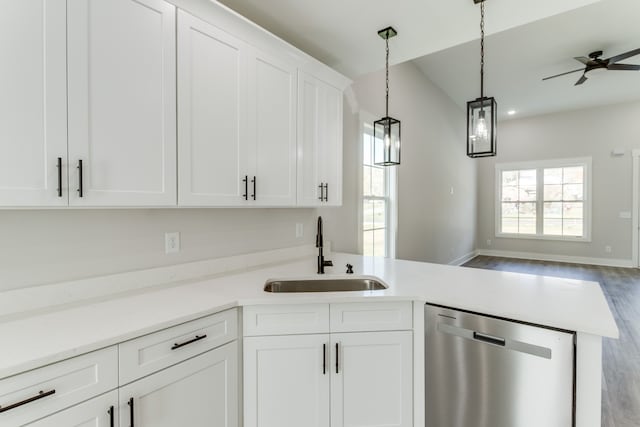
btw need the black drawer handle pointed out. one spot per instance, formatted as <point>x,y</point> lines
<point>182,344</point>
<point>246,187</point>
<point>326,192</point>
<point>253,196</point>
<point>130,403</point>
<point>59,166</point>
<point>111,418</point>
<point>80,186</point>
<point>41,394</point>
<point>488,339</point>
<point>337,359</point>
<point>324,359</point>
<point>321,187</point>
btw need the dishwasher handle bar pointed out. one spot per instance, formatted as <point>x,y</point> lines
<point>478,336</point>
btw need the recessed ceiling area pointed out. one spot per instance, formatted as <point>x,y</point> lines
<point>342,33</point>
<point>518,59</point>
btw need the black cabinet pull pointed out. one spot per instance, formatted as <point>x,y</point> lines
<point>130,403</point>
<point>253,196</point>
<point>326,192</point>
<point>197,338</point>
<point>41,394</point>
<point>321,187</point>
<point>337,359</point>
<point>59,166</point>
<point>80,189</point>
<point>246,187</point>
<point>324,359</point>
<point>111,420</point>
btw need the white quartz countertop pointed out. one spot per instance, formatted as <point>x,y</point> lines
<point>48,337</point>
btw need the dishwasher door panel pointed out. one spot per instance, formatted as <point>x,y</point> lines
<point>487,372</point>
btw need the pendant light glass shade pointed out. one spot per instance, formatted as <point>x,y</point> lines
<point>386,147</point>
<point>482,113</point>
<point>482,127</point>
<point>386,131</point>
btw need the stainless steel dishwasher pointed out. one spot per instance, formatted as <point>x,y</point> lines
<point>487,372</point>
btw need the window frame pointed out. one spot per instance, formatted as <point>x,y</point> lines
<point>391,183</point>
<point>540,166</point>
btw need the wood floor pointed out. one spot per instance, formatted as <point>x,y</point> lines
<point>621,364</point>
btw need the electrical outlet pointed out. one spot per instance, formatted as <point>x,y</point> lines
<point>299,230</point>
<point>488,242</point>
<point>451,191</point>
<point>607,249</point>
<point>171,243</point>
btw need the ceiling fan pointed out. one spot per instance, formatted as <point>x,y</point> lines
<point>594,62</point>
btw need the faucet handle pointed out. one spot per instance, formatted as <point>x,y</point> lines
<point>349,269</point>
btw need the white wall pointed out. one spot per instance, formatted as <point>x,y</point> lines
<point>433,225</point>
<point>591,132</point>
<point>48,246</point>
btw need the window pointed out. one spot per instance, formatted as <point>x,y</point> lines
<point>546,200</point>
<point>378,187</point>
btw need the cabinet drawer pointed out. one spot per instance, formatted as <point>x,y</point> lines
<point>150,353</point>
<point>286,319</point>
<point>366,316</point>
<point>96,412</point>
<point>46,390</point>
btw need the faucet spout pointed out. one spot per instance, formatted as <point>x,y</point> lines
<point>322,263</point>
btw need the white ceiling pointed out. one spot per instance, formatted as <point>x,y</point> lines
<point>519,58</point>
<point>343,33</point>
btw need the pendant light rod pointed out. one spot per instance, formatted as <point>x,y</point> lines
<point>481,48</point>
<point>386,34</point>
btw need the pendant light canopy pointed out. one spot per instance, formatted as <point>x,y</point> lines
<point>386,131</point>
<point>482,117</point>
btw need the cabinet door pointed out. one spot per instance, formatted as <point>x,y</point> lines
<point>286,381</point>
<point>212,115</point>
<point>33,106</point>
<point>199,392</point>
<point>309,181</point>
<point>330,152</point>
<point>272,127</point>
<point>373,384</point>
<point>319,142</point>
<point>122,102</point>
<point>97,412</point>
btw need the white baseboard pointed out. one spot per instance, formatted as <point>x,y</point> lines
<point>464,258</point>
<point>610,262</point>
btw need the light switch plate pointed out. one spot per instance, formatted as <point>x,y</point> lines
<point>299,230</point>
<point>625,215</point>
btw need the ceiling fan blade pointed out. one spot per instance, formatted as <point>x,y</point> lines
<point>563,74</point>
<point>622,56</point>
<point>627,67</point>
<point>581,80</point>
<point>583,59</point>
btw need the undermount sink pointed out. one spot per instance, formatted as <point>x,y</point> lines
<point>324,285</point>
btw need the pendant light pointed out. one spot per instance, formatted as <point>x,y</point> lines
<point>386,131</point>
<point>482,130</point>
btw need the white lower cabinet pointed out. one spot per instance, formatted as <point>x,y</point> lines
<point>286,381</point>
<point>199,392</point>
<point>318,380</point>
<point>372,380</point>
<point>100,411</point>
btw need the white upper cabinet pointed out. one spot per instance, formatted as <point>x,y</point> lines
<point>236,121</point>
<point>319,142</point>
<point>212,115</point>
<point>122,102</point>
<point>33,105</point>
<point>272,127</point>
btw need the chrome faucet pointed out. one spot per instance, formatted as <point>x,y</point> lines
<point>319,244</point>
